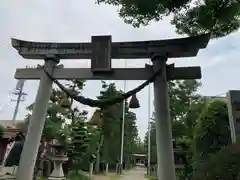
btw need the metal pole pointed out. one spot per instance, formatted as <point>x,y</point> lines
<point>18,102</point>
<point>123,123</point>
<point>149,130</point>
<point>91,171</point>
<point>165,158</point>
<point>37,120</point>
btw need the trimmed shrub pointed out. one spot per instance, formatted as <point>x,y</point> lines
<point>223,165</point>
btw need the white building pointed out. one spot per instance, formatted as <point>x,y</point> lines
<point>221,98</point>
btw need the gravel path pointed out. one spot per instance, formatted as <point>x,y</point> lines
<point>134,174</point>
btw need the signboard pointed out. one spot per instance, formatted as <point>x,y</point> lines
<point>101,53</point>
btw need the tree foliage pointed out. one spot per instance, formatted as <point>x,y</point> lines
<point>183,103</point>
<point>66,123</point>
<point>60,111</point>
<point>82,145</point>
<point>185,107</point>
<point>183,99</point>
<point>111,128</point>
<point>182,95</point>
<point>54,117</point>
<point>153,148</point>
<point>212,130</point>
<point>222,165</point>
<point>201,128</point>
<point>218,17</point>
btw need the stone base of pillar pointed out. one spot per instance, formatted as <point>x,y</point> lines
<point>7,177</point>
<point>1,171</point>
<point>4,176</point>
<point>56,178</point>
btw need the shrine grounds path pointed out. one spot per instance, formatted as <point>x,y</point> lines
<point>133,174</point>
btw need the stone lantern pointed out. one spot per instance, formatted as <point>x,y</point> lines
<point>58,156</point>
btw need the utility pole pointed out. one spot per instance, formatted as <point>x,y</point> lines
<point>123,122</point>
<point>149,131</point>
<point>18,91</point>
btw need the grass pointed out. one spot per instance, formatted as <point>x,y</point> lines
<point>80,175</point>
<point>152,178</point>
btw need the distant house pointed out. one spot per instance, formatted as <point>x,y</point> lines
<point>220,98</point>
<point>10,131</point>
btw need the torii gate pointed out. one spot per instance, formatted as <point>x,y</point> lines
<point>101,50</point>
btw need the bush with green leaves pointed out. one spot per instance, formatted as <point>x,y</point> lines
<point>223,165</point>
<point>78,175</point>
<point>79,139</point>
<point>212,130</point>
<point>84,141</point>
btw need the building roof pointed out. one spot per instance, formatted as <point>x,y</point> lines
<point>220,98</point>
<point>9,123</point>
<point>10,132</point>
<point>10,128</point>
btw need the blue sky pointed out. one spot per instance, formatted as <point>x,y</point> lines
<point>77,21</point>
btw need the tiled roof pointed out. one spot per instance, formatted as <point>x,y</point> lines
<point>10,128</point>
<point>8,123</point>
<point>221,98</point>
<point>10,132</point>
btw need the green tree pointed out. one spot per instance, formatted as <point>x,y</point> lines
<point>60,110</point>
<point>212,130</point>
<point>71,110</point>
<point>83,144</point>
<point>153,148</point>
<point>218,17</point>
<point>52,128</point>
<point>183,102</point>
<point>111,127</point>
<point>195,110</point>
<point>222,165</point>
<point>182,95</point>
<point>55,117</point>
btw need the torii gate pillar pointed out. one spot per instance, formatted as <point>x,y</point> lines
<point>37,121</point>
<point>165,158</point>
